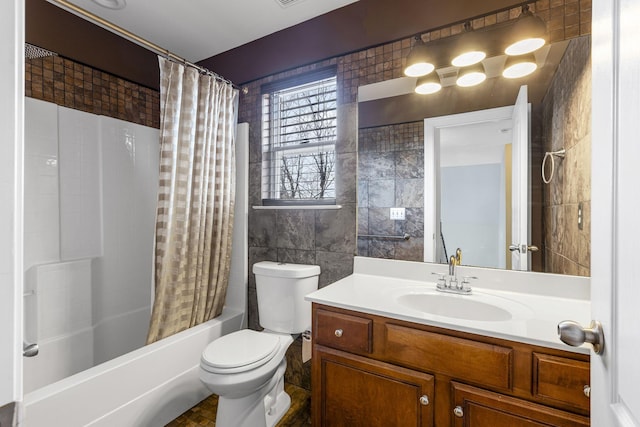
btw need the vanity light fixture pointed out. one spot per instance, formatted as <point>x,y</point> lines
<point>471,76</point>
<point>519,66</point>
<point>469,48</point>
<point>419,62</point>
<point>528,34</point>
<point>426,85</point>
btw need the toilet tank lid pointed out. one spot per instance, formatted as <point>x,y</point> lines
<point>278,269</point>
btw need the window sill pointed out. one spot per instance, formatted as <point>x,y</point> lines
<point>301,207</point>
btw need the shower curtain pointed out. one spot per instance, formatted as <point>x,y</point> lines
<point>194,222</point>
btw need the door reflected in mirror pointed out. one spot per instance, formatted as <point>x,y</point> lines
<point>476,183</point>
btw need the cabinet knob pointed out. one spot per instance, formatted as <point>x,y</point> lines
<point>424,400</point>
<point>338,333</point>
<point>458,412</point>
<point>587,390</point>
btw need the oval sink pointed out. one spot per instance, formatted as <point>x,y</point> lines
<point>459,307</point>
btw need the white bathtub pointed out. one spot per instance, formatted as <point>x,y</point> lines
<point>147,387</point>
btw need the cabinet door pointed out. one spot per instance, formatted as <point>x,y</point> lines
<point>353,391</point>
<point>474,407</point>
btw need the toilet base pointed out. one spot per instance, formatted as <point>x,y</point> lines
<point>263,408</point>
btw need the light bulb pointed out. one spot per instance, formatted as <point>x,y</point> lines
<point>519,66</point>
<point>468,58</point>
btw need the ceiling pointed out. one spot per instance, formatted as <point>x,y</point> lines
<point>199,29</point>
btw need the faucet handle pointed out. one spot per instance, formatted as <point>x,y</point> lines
<point>458,256</point>
<point>465,279</point>
<point>441,280</point>
<point>465,283</point>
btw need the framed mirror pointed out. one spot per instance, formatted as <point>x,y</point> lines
<point>391,168</point>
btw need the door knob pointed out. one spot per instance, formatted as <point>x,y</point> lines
<point>29,350</point>
<point>573,334</point>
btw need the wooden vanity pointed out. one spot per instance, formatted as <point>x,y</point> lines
<point>370,370</point>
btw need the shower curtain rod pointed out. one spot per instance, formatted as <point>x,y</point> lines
<point>137,39</point>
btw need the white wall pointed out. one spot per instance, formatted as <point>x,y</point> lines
<point>11,113</point>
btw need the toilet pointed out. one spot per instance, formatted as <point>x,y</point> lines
<point>246,368</point>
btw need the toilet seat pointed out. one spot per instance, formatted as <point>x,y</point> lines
<point>239,351</point>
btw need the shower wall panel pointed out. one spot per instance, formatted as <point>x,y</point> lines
<point>123,274</point>
<point>80,195</point>
<point>41,191</point>
<point>90,197</point>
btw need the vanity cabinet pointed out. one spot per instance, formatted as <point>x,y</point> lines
<point>370,370</point>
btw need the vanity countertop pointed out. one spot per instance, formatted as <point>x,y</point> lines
<point>534,315</point>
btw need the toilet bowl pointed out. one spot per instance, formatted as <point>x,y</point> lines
<point>246,368</point>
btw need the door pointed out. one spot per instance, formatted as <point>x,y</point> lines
<point>615,282</point>
<point>520,183</point>
<point>517,117</point>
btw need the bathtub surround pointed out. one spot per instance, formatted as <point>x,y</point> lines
<point>165,373</point>
<point>90,184</point>
<point>196,197</point>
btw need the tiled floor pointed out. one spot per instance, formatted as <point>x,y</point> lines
<point>204,413</point>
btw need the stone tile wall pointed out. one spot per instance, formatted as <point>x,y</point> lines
<point>73,85</point>
<point>391,174</point>
<point>567,124</point>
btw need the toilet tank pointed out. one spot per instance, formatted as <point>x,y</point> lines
<point>281,288</point>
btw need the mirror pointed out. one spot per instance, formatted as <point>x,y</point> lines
<point>391,169</point>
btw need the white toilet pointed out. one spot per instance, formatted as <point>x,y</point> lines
<point>246,368</point>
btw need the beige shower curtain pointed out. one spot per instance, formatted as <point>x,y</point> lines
<point>196,195</point>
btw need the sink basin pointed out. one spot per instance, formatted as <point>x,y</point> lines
<point>454,306</point>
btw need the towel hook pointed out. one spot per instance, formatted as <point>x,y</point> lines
<point>549,154</point>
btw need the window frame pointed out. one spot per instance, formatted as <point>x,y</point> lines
<point>270,164</point>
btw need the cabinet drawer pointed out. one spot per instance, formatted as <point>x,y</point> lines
<point>343,331</point>
<point>482,363</point>
<point>561,380</point>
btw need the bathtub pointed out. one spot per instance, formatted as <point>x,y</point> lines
<point>166,383</point>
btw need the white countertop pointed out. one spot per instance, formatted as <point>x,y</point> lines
<point>534,316</point>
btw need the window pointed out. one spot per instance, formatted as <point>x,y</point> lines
<point>298,140</point>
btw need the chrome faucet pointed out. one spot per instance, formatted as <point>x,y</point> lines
<point>453,261</point>
<point>452,265</point>
<point>454,286</point>
<point>453,280</point>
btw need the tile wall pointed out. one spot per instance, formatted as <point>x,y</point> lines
<point>74,85</point>
<point>567,124</point>
<point>390,174</point>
